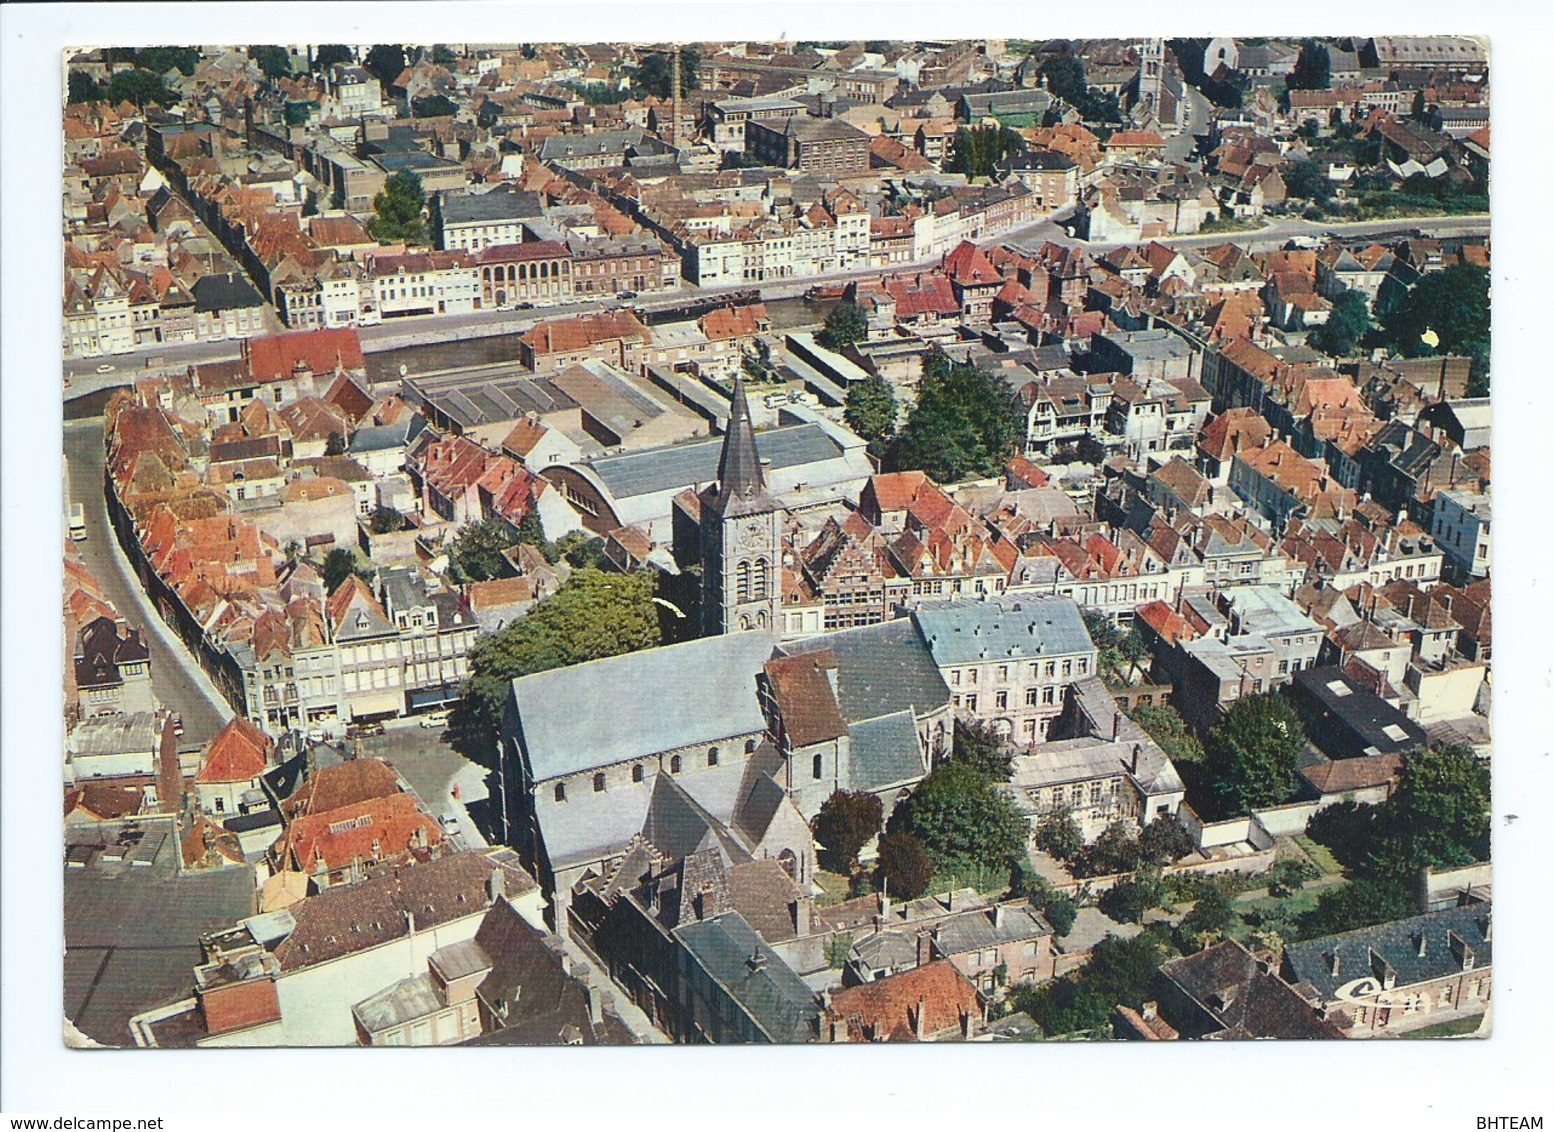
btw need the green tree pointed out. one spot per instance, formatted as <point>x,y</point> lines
<point>433,106</point>
<point>845,325</point>
<point>476,554</point>
<point>1164,841</point>
<point>444,56</point>
<point>966,423</point>
<point>386,61</point>
<point>1132,896</point>
<point>1065,75</point>
<point>1313,68</point>
<point>1306,180</point>
<point>397,210</point>
<point>83,88</point>
<point>1169,730</point>
<point>1357,904</point>
<point>1453,303</point>
<point>962,818</point>
<point>339,564</point>
<point>334,444</point>
<point>904,867</point>
<point>1253,752</point>
<point>1210,918</point>
<point>978,149</point>
<point>1439,813</point>
<point>1058,908</point>
<point>1349,322</point>
<point>871,409</point>
<point>531,532</point>
<point>165,59</point>
<point>978,745</point>
<point>140,87</point>
<point>1058,834</point>
<point>657,72</point>
<point>581,549</point>
<point>274,61</point>
<point>326,55</point>
<point>844,825</point>
<point>386,520</point>
<point>593,615</point>
<point>1116,850</point>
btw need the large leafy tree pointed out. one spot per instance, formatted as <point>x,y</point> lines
<point>397,210</point>
<point>871,409</point>
<point>844,325</point>
<point>434,106</point>
<point>1253,752</point>
<point>844,825</point>
<point>962,818</point>
<point>1439,814</point>
<point>978,149</point>
<point>656,74</point>
<point>83,88</point>
<point>978,745</point>
<point>593,615</point>
<point>1453,304</point>
<point>905,869</point>
<point>966,423</point>
<point>328,54</point>
<point>274,61</point>
<point>139,86</point>
<point>339,564</point>
<point>1357,904</point>
<point>1058,834</point>
<point>386,61</point>
<point>476,555</point>
<point>1210,919</point>
<point>1170,732</point>
<point>1349,321</point>
<point>1313,68</point>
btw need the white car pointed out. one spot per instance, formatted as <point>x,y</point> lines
<point>106,368</point>
<point>436,719</point>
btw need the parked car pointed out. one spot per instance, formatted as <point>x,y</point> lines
<point>178,726</point>
<point>361,730</point>
<point>106,368</point>
<point>436,719</point>
<point>625,294</point>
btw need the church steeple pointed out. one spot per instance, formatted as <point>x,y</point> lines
<point>741,483</point>
<point>741,541</point>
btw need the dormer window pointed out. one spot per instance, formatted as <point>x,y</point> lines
<point>561,791</point>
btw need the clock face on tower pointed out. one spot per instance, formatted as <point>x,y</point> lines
<point>751,534</point>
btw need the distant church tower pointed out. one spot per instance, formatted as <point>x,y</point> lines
<point>741,548</point>
<point>1151,74</point>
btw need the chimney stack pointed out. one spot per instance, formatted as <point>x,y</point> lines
<point>920,1020</point>
<point>1136,750</point>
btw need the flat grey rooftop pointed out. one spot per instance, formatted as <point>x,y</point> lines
<point>683,465</point>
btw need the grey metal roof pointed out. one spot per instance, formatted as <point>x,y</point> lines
<point>881,669</point>
<point>683,465</point>
<point>380,438</point>
<point>1398,944</point>
<point>224,292</point>
<point>115,734</point>
<point>770,994</point>
<point>968,632</point>
<point>494,206</point>
<point>884,752</point>
<point>634,706</point>
<point>987,927</point>
<point>398,1003</point>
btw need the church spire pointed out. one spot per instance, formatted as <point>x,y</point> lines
<point>740,479</point>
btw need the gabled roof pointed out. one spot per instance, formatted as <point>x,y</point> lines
<point>931,1000</point>
<point>240,752</point>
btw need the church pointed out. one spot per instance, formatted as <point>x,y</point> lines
<point>728,743</point>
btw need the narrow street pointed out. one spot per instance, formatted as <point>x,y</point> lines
<point>176,678</point>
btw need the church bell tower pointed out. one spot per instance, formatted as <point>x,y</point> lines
<point>741,537</point>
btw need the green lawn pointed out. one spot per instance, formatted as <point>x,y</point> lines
<point>1455,1029</point>
<point>1285,908</point>
<point>833,887</point>
<point>1321,856</point>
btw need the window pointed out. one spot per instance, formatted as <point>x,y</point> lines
<point>561,791</point>
<point>971,703</point>
<point>819,766</point>
<point>1084,666</point>
<point>955,677</point>
<point>636,773</point>
<point>712,756</point>
<point>1047,695</point>
<point>749,746</point>
<point>1001,700</point>
<point>1003,673</point>
<point>971,675</point>
<point>1030,697</point>
<point>674,764</point>
<point>1068,668</point>
<point>599,783</point>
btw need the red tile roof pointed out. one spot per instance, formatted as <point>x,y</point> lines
<point>239,753</point>
<point>927,1001</point>
<point>322,351</point>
